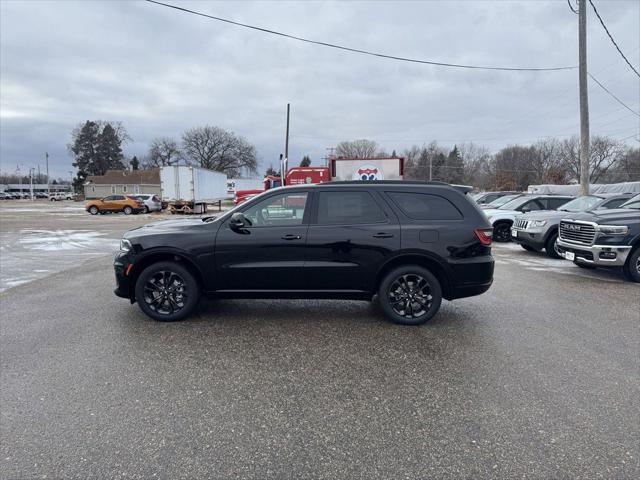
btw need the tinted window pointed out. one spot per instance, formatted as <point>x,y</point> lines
<point>556,202</point>
<point>118,197</point>
<point>278,210</point>
<point>109,198</point>
<point>613,203</point>
<point>422,206</point>
<point>339,208</point>
<point>531,205</point>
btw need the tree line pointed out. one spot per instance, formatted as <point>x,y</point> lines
<point>97,147</point>
<point>514,167</point>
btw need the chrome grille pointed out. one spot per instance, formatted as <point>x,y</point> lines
<point>574,232</point>
<point>521,224</point>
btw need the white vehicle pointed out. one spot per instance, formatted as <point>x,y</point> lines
<point>190,189</point>
<point>152,203</point>
<point>55,197</point>
<point>502,218</point>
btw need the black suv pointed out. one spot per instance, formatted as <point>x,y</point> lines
<point>411,243</point>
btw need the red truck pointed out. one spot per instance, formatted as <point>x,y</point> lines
<point>340,168</point>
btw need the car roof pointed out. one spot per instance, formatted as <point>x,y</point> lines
<point>395,183</point>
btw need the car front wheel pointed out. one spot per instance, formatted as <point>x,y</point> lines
<point>631,268</point>
<point>551,247</point>
<point>410,295</point>
<point>167,291</point>
<point>502,232</point>
<point>93,210</point>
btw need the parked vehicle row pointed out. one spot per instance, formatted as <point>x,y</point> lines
<point>38,195</point>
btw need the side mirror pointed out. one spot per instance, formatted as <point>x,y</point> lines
<point>239,221</point>
<point>525,210</point>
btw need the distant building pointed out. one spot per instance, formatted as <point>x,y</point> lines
<point>123,182</point>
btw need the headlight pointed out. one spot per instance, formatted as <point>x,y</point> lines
<point>125,245</point>
<point>538,223</point>
<point>613,229</point>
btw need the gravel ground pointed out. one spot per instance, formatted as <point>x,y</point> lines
<point>538,378</point>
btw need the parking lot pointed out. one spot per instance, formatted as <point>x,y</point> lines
<point>538,378</point>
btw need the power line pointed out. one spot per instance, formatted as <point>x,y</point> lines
<point>363,52</point>
<point>612,95</point>
<point>571,7</point>
<point>612,40</point>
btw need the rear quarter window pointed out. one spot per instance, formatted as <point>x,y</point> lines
<point>424,206</point>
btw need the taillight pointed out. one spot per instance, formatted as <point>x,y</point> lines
<point>485,235</point>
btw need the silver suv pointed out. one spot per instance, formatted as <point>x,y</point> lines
<point>539,230</point>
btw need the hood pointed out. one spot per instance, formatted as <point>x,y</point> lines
<point>173,226</point>
<point>492,212</point>
<point>545,215</point>
<point>604,216</point>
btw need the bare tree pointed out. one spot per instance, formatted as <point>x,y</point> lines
<point>217,149</point>
<point>604,154</point>
<point>476,160</point>
<point>162,151</point>
<point>359,149</point>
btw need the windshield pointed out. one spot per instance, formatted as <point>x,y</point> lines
<point>633,204</point>
<point>581,204</point>
<point>502,200</point>
<point>514,204</point>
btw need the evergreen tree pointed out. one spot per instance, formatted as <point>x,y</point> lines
<point>109,151</point>
<point>271,171</point>
<point>454,171</point>
<point>84,150</point>
<point>135,163</point>
<point>306,161</point>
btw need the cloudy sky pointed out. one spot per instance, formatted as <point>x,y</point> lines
<point>161,71</point>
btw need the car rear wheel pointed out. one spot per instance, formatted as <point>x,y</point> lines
<point>502,232</point>
<point>410,295</point>
<point>551,247</point>
<point>93,210</point>
<point>127,210</point>
<point>167,291</point>
<point>631,268</point>
<point>146,209</point>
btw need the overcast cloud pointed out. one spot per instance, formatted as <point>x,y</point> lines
<point>160,71</point>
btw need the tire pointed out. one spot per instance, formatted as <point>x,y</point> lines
<point>529,248</point>
<point>127,210</point>
<point>93,210</point>
<point>182,290</point>
<point>502,232</point>
<point>146,209</point>
<point>53,199</point>
<point>631,268</point>
<point>551,246</point>
<point>396,290</point>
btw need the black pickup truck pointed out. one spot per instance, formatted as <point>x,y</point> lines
<point>606,238</point>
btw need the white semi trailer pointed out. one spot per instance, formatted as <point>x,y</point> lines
<point>190,189</point>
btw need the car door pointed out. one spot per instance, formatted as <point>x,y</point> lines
<point>108,203</point>
<point>270,253</point>
<point>352,233</point>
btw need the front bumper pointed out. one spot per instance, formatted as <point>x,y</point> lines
<point>598,255</point>
<point>534,237</point>
<point>122,267</point>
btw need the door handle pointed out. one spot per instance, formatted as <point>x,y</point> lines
<point>290,236</point>
<point>383,235</point>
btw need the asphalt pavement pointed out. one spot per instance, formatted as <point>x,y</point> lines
<point>537,378</point>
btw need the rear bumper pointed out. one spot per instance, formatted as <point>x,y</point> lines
<point>598,255</point>
<point>471,276</point>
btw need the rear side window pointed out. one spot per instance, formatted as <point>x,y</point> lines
<point>422,206</point>
<point>339,208</point>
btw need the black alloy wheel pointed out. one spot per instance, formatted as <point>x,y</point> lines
<point>551,247</point>
<point>502,232</point>
<point>631,268</point>
<point>167,291</point>
<point>410,295</point>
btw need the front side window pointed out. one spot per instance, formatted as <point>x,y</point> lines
<point>278,210</point>
<point>422,206</point>
<point>347,208</point>
<point>531,206</point>
<point>109,198</point>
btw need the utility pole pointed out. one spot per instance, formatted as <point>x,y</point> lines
<point>46,157</point>
<point>19,178</point>
<point>31,181</point>
<point>584,98</point>
<point>285,163</point>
